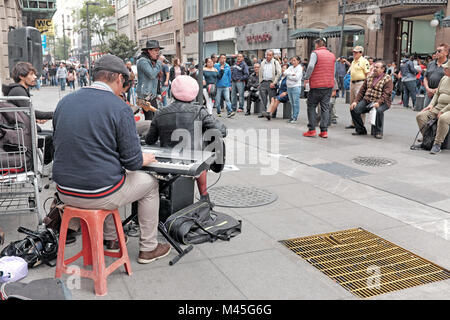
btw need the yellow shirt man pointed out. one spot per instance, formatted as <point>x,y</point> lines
<point>359,69</point>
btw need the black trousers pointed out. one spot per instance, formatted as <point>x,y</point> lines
<point>48,142</point>
<point>316,96</point>
<point>364,107</point>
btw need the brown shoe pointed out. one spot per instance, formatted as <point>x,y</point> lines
<point>161,251</point>
<point>113,245</point>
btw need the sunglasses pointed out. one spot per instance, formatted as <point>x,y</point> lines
<point>357,52</point>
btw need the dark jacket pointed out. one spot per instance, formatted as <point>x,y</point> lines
<point>408,70</point>
<point>172,72</point>
<point>180,115</point>
<point>239,72</point>
<point>17,90</point>
<point>95,141</point>
<point>253,82</point>
<point>9,136</point>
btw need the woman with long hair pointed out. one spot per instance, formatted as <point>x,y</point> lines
<point>176,70</point>
<point>71,76</point>
<point>210,75</point>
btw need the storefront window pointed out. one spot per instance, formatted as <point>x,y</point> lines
<point>351,41</point>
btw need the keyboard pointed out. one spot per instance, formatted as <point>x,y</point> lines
<point>189,163</point>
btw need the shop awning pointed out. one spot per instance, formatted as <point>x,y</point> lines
<point>335,32</point>
<point>446,22</point>
<point>305,33</point>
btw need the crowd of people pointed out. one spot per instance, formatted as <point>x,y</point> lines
<point>63,75</point>
<point>372,85</point>
<point>113,154</point>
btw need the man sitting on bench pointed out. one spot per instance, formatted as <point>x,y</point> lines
<point>439,108</point>
<point>375,93</point>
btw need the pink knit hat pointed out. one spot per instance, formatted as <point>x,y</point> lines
<point>185,88</point>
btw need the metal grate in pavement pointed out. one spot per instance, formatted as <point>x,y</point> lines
<point>240,196</point>
<point>365,264</point>
<point>374,161</point>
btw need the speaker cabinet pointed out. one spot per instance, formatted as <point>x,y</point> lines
<point>25,45</point>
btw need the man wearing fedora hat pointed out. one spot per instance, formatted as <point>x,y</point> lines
<point>98,157</point>
<point>149,66</point>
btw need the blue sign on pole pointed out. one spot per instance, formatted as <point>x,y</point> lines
<point>44,43</point>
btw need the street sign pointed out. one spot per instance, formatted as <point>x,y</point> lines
<point>44,43</point>
<point>45,26</point>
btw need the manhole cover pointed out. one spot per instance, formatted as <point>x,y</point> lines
<point>365,264</point>
<point>374,161</point>
<point>240,196</point>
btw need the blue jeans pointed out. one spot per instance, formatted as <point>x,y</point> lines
<point>235,88</point>
<point>164,97</point>
<point>294,98</point>
<point>409,90</point>
<point>62,83</point>
<point>225,93</point>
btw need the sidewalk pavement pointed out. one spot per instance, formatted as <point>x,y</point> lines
<point>319,190</point>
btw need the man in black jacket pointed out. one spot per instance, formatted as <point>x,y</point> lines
<point>253,89</point>
<point>183,114</point>
<point>98,157</point>
<point>24,76</point>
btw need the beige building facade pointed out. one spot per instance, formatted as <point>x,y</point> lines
<point>159,20</point>
<point>10,16</point>
<point>385,28</point>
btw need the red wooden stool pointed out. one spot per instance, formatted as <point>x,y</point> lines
<point>92,252</point>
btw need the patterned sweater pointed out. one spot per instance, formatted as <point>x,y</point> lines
<point>380,92</point>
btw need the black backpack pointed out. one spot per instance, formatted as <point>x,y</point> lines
<point>199,223</point>
<point>35,249</point>
<point>429,134</point>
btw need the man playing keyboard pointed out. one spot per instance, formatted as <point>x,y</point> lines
<point>98,156</point>
<point>183,114</point>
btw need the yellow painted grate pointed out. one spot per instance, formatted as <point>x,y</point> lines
<point>365,264</point>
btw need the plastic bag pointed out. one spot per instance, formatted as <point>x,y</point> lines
<point>12,269</point>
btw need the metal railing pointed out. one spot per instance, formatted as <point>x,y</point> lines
<point>19,174</point>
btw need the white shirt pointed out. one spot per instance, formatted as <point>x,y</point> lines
<point>294,76</point>
<point>268,72</point>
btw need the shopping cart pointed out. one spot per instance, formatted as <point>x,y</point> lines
<point>19,160</point>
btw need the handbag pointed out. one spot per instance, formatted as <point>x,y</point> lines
<point>347,78</point>
<point>199,223</point>
<point>212,90</point>
<point>399,89</point>
<point>429,134</point>
<point>53,219</point>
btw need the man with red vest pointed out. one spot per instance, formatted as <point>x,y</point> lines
<point>320,75</point>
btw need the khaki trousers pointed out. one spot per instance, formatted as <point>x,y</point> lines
<point>139,186</point>
<point>354,90</point>
<point>443,123</point>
